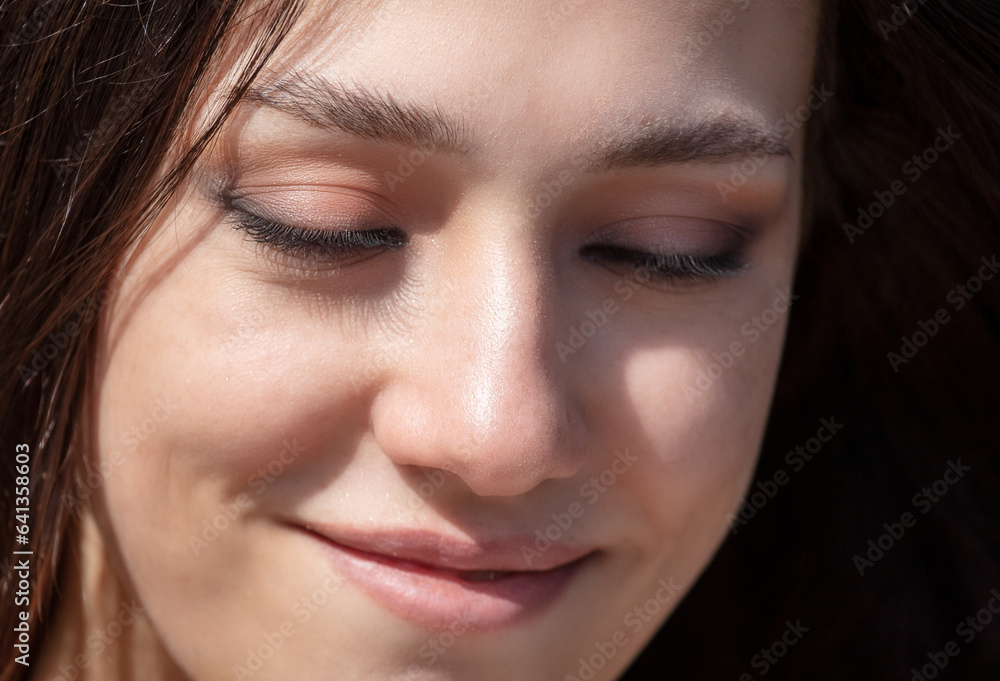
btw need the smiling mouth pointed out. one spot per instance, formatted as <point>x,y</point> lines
<point>435,581</point>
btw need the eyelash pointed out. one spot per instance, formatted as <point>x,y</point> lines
<point>671,268</point>
<point>308,246</point>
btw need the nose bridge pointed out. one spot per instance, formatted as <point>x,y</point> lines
<point>494,407</point>
<point>512,422</point>
<point>503,321</point>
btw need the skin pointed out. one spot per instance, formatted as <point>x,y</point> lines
<point>445,360</point>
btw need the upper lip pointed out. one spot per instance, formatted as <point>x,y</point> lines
<point>453,553</point>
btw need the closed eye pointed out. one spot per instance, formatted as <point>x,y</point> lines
<point>675,268</point>
<point>315,245</point>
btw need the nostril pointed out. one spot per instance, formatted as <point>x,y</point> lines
<point>507,442</point>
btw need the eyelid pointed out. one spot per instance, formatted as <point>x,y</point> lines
<point>669,270</point>
<point>301,252</point>
<point>672,252</point>
<point>289,238</point>
<point>315,207</point>
<point>674,234</point>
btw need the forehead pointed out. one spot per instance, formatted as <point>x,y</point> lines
<point>571,67</point>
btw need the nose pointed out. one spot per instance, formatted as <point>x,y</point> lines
<point>480,391</point>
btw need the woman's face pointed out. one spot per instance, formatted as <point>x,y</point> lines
<point>454,353</point>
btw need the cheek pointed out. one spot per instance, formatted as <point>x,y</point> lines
<point>211,406</point>
<point>704,402</point>
<point>207,395</point>
<point>700,408</point>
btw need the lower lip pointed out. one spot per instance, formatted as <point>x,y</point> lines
<point>438,601</point>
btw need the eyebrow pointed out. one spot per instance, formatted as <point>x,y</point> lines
<point>381,118</point>
<point>712,140</point>
<point>364,113</point>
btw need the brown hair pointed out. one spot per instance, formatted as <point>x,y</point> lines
<point>903,76</point>
<point>93,94</point>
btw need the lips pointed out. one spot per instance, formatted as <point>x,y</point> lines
<point>440,582</point>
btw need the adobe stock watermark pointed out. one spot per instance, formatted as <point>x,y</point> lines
<point>565,10</point>
<point>597,318</point>
<point>144,84</point>
<point>785,129</point>
<point>637,619</point>
<point>967,629</point>
<point>303,611</point>
<point>752,331</point>
<point>797,458</point>
<point>57,341</point>
<point>436,647</point>
<point>30,29</point>
<point>770,656</point>
<point>407,163</point>
<point>913,169</point>
<point>257,482</point>
<point>100,640</point>
<point>901,14</point>
<point>714,28</point>
<point>592,490</point>
<point>432,479</point>
<point>435,478</point>
<point>580,163</point>
<point>959,296</point>
<point>895,531</point>
<point>95,476</point>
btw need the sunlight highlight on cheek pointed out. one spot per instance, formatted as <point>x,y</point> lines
<point>696,423</point>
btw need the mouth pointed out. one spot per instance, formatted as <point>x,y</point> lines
<point>442,583</point>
